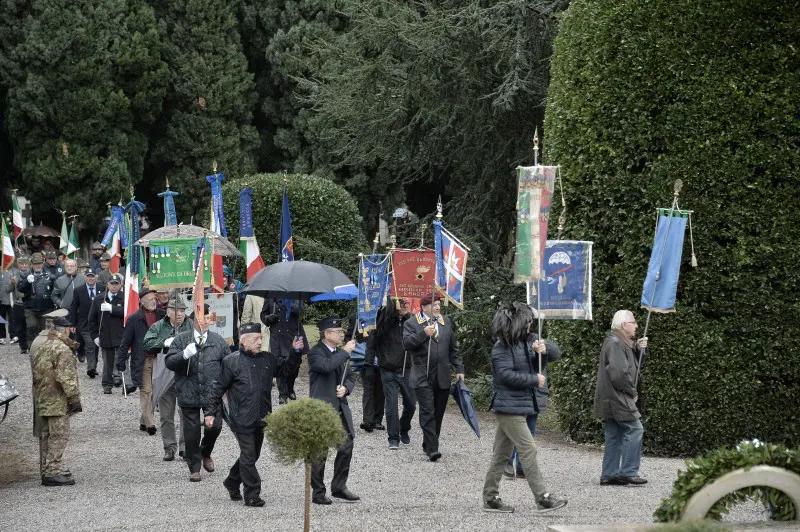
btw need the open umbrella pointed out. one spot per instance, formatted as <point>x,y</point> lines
<point>463,397</point>
<point>221,244</point>
<point>40,230</point>
<point>340,293</point>
<point>297,279</point>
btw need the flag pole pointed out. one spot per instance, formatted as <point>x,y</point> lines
<point>433,289</point>
<point>676,192</point>
<point>539,314</point>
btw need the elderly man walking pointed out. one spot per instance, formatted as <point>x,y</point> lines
<point>615,401</point>
<point>106,326</point>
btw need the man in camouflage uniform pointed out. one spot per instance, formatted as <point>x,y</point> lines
<point>56,396</point>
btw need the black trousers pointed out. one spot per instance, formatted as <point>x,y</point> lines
<point>289,370</point>
<point>109,354</point>
<point>373,399</point>
<point>195,449</point>
<point>5,313</point>
<point>395,384</point>
<point>432,404</point>
<point>341,468</point>
<point>18,326</point>
<point>244,469</point>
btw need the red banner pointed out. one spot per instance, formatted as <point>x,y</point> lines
<point>413,274</point>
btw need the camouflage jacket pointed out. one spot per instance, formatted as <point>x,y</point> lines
<point>55,379</point>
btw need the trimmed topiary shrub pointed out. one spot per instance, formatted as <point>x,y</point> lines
<point>643,93</point>
<point>704,470</point>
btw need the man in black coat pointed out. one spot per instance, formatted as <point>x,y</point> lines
<point>196,358</point>
<point>327,364</point>
<point>247,379</point>
<point>37,290</point>
<point>106,326</point>
<point>287,341</point>
<point>82,299</point>
<point>141,363</point>
<point>431,342</point>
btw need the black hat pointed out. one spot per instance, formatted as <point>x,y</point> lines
<point>61,322</point>
<point>115,278</point>
<point>89,272</point>
<point>145,291</point>
<point>329,323</point>
<point>247,328</point>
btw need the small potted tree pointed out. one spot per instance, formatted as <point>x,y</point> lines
<point>304,430</point>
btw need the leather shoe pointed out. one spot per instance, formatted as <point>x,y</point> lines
<point>366,426</point>
<point>282,400</point>
<point>258,501</point>
<point>182,454</point>
<point>81,359</point>
<point>107,391</point>
<point>292,396</point>
<point>169,455</point>
<point>91,373</point>
<point>611,481</point>
<point>378,426</point>
<point>194,477</point>
<point>435,455</point>
<point>233,490</point>
<point>117,383</point>
<point>151,431</point>
<point>143,427</point>
<point>130,389</point>
<point>208,464</point>
<point>346,495</point>
<point>637,480</point>
<point>404,439</point>
<point>322,499</point>
<point>58,480</point>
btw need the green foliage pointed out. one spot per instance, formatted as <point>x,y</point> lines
<point>481,386</point>
<point>304,430</point>
<point>633,105</point>
<point>704,470</point>
<point>208,111</point>
<point>695,526</point>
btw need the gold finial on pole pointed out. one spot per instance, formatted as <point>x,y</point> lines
<point>439,209</point>
<point>214,166</point>
<point>393,240</point>
<point>167,180</point>
<point>536,146</point>
<point>422,227</point>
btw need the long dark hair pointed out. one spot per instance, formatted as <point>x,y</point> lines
<point>511,323</point>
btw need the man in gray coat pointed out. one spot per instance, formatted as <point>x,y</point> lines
<point>615,401</point>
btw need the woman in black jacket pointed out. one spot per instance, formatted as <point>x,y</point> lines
<point>515,380</point>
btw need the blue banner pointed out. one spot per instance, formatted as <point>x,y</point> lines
<point>169,207</point>
<point>123,227</point>
<point>437,246</point>
<point>113,225</point>
<point>246,213</point>
<point>451,264</point>
<point>285,242</point>
<point>217,212</point>
<point>134,208</point>
<point>565,291</point>
<point>373,286</point>
<point>661,283</point>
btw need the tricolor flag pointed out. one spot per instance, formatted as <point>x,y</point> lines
<point>451,264</point>
<point>131,292</point>
<point>64,243</point>
<point>8,248</point>
<point>73,241</point>
<point>134,265</point>
<point>198,292</point>
<point>247,238</point>
<point>17,216</point>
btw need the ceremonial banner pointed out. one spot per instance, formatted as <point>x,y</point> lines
<point>8,248</point>
<point>169,206</point>
<point>73,241</point>
<point>413,272</point>
<point>451,264</point>
<point>285,240</point>
<point>113,237</point>
<point>217,212</point>
<point>534,192</point>
<point>113,225</point>
<point>63,244</point>
<point>373,281</point>
<point>172,263</point>
<point>16,216</point>
<point>247,238</point>
<point>659,296</point>
<point>220,315</point>
<point>566,290</point>
<point>199,264</point>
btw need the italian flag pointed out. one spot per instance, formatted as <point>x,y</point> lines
<point>131,292</point>
<point>17,216</point>
<point>72,246</point>
<point>249,248</point>
<point>63,246</point>
<point>8,248</point>
<point>114,250</point>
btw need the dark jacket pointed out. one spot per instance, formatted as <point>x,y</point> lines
<point>55,271</point>
<point>325,371</point>
<point>615,391</point>
<point>281,330</point>
<point>515,377</point>
<point>38,294</point>
<point>388,347</point>
<point>444,352</point>
<point>196,377</point>
<point>107,325</point>
<point>133,340</point>
<point>153,343</point>
<point>81,306</point>
<point>247,379</point>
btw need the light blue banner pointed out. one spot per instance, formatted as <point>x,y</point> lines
<point>665,265</point>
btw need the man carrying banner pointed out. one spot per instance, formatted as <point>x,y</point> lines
<point>615,401</point>
<point>430,341</point>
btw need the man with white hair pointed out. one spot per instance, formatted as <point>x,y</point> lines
<point>615,401</point>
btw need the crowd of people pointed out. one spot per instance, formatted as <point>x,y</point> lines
<point>67,314</point>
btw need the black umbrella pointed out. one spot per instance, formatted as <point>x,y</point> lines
<point>463,397</point>
<point>299,279</point>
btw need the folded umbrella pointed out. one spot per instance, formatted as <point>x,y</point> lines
<point>163,378</point>
<point>463,398</point>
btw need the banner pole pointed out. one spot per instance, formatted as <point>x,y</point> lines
<point>677,190</point>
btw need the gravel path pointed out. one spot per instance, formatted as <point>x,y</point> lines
<point>122,483</point>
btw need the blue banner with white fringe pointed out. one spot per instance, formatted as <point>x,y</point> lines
<point>661,284</point>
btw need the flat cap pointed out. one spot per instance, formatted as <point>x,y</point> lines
<point>329,323</point>
<point>247,328</point>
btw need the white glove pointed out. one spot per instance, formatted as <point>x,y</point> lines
<point>105,307</point>
<point>168,341</point>
<point>97,341</point>
<point>190,351</point>
<point>30,278</point>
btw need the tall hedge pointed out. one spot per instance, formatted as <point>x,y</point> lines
<point>643,93</point>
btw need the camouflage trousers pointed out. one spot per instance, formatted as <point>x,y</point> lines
<point>52,444</point>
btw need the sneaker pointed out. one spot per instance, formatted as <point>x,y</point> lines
<point>393,446</point>
<point>15,340</point>
<point>547,503</point>
<point>497,506</point>
<point>404,439</point>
